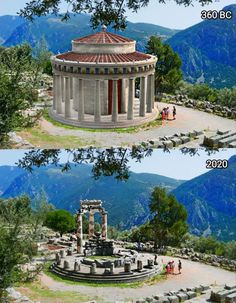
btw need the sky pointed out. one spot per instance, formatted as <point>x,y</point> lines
<point>169,15</point>
<point>174,164</point>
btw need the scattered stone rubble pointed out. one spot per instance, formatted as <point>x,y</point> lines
<point>205,106</point>
<point>221,139</point>
<point>176,296</point>
<point>18,141</point>
<point>17,296</point>
<point>175,140</point>
<point>227,295</point>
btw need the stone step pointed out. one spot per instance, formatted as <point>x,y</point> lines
<point>225,142</point>
<point>213,141</point>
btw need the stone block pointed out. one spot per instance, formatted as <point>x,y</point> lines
<point>66,265</point>
<point>93,269</point>
<point>168,144</point>
<point>231,298</point>
<point>127,267</point>
<point>173,299</point>
<point>229,287</point>
<point>198,132</point>
<point>62,253</point>
<point>204,287</point>
<point>76,266</point>
<point>184,139</point>
<point>191,294</point>
<point>139,265</point>
<point>182,296</point>
<point>176,141</point>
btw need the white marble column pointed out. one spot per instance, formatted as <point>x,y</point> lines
<point>149,94</point>
<point>63,88</point>
<point>79,233</point>
<point>97,105</point>
<point>59,108</point>
<point>104,225</point>
<point>142,106</point>
<point>124,96</point>
<point>114,101</point>
<point>81,100</point>
<point>76,93</point>
<point>130,114</point>
<point>54,92</point>
<point>67,98</point>
<point>71,87</point>
<point>91,224</point>
<point>153,89</point>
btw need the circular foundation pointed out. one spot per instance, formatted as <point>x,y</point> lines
<point>105,122</point>
<point>103,274</point>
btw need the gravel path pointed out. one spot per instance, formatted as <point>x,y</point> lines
<point>193,274</point>
<point>187,120</point>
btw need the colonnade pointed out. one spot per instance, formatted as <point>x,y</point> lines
<point>69,97</point>
<point>91,228</point>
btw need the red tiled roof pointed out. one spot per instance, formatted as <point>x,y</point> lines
<point>103,58</point>
<point>103,37</point>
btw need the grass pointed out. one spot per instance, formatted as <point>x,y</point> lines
<point>37,292</point>
<point>101,257</point>
<point>42,139</point>
<point>131,129</point>
<point>153,280</point>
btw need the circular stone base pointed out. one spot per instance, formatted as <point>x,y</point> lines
<point>103,275</point>
<point>105,122</point>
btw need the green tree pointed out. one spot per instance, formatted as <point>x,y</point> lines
<point>16,88</point>
<point>168,73</point>
<point>102,12</point>
<point>169,218</point>
<point>60,220</point>
<point>16,241</point>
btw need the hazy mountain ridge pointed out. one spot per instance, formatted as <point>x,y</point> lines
<point>208,51</point>
<point>209,199</point>
<point>59,34</point>
<point>126,202</point>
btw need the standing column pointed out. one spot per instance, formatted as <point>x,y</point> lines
<point>97,107</point>
<point>91,224</point>
<point>124,96</point>
<point>142,96</point>
<point>81,100</point>
<point>104,225</point>
<point>62,89</point>
<point>71,87</point>
<point>130,115</point>
<point>54,92</point>
<point>58,95</point>
<point>80,233</point>
<point>67,98</point>
<point>153,89</point>
<point>114,102</point>
<point>75,93</point>
<point>149,94</point>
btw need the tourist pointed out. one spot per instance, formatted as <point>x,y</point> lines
<point>163,114</point>
<point>167,113</point>
<point>174,112</point>
<point>179,267</point>
<point>172,267</point>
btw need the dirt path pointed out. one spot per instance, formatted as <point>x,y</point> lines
<point>187,120</point>
<point>193,274</point>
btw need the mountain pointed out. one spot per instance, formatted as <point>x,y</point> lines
<point>59,34</point>
<point>210,200</point>
<point>126,202</point>
<point>7,176</point>
<point>7,25</point>
<point>208,51</point>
